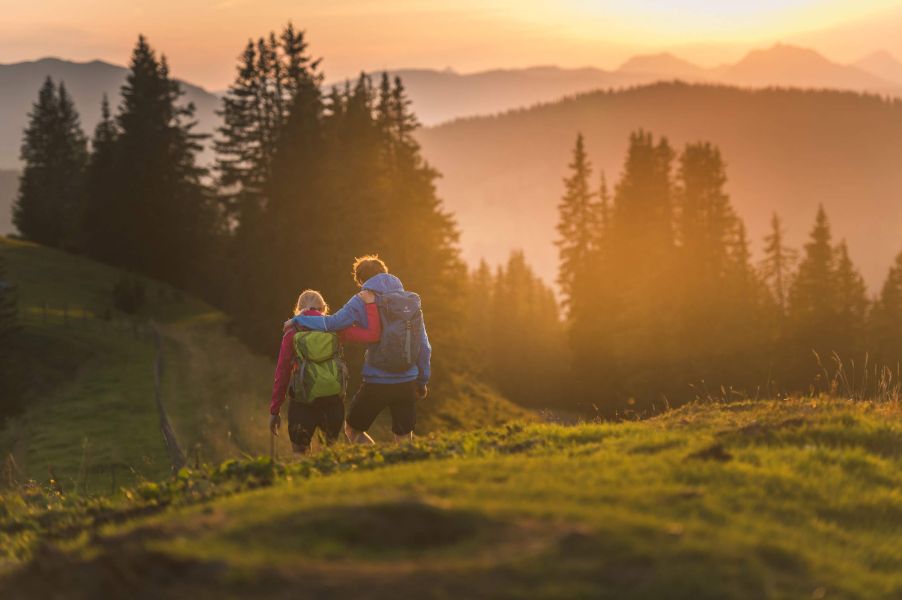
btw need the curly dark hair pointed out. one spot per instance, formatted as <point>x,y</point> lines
<point>368,266</point>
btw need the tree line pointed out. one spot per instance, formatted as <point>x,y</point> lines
<point>517,340</point>
<point>664,302</point>
<point>661,297</point>
<point>305,179</point>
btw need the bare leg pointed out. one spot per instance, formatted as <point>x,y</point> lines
<point>358,437</point>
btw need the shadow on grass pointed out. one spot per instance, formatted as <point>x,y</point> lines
<point>383,531</point>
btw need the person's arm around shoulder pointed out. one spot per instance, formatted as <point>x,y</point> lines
<point>352,312</point>
<point>373,330</point>
<point>424,363</point>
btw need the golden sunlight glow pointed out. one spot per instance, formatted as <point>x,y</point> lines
<point>201,37</point>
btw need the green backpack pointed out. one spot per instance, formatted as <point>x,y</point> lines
<point>321,368</point>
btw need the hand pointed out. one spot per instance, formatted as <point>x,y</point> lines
<point>287,325</point>
<point>275,421</point>
<point>422,391</point>
<point>367,296</point>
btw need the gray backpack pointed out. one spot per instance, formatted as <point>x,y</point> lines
<point>402,320</point>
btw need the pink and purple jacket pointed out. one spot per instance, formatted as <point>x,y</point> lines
<point>354,334</point>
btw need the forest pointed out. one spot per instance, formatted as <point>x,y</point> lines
<point>658,300</point>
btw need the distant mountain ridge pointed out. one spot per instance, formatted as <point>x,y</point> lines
<point>519,183</point>
<point>668,64</point>
<point>443,95</point>
<point>87,82</point>
<point>883,65</point>
<point>783,64</point>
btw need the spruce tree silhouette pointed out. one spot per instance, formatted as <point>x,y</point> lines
<point>54,153</point>
<point>161,220</point>
<point>886,323</point>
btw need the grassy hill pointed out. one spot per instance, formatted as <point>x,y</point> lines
<point>91,417</point>
<point>790,499</point>
<point>9,186</point>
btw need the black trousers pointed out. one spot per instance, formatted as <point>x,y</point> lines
<point>327,413</point>
<point>372,398</point>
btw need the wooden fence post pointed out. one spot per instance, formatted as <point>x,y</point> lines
<point>176,456</point>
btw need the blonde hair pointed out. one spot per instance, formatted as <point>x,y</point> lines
<point>311,300</point>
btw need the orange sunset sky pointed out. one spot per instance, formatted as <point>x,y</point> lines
<point>202,37</point>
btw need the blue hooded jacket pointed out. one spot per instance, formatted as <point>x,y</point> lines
<point>355,312</point>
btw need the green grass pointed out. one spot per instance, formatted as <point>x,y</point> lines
<point>791,499</point>
<point>91,418</point>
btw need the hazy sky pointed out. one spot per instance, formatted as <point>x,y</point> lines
<point>202,37</point>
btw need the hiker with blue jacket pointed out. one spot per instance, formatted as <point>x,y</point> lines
<point>396,369</point>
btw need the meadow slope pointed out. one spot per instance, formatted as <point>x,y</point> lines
<point>788,499</point>
<point>90,416</point>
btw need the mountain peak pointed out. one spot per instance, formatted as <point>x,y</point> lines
<point>783,52</point>
<point>662,63</point>
<point>785,64</point>
<point>879,56</point>
<point>882,64</point>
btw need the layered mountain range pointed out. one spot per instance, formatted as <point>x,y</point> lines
<point>502,138</point>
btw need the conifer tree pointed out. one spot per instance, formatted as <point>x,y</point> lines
<point>812,301</point>
<point>886,321</point>
<point>852,304</point>
<point>719,298</point>
<point>241,159</point>
<point>706,222</point>
<point>578,226</point>
<point>102,209</point>
<point>164,223</point>
<point>54,151</point>
<point>644,336</point>
<point>604,207</point>
<point>255,109</point>
<point>479,323</point>
<point>643,202</point>
<point>778,263</point>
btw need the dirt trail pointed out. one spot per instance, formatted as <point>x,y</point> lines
<point>216,391</point>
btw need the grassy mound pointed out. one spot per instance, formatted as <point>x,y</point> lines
<point>792,499</point>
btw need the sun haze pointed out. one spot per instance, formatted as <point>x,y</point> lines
<point>201,37</point>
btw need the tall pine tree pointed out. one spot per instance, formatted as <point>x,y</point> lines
<point>255,109</point>
<point>578,226</point>
<point>54,152</point>
<point>161,222</point>
<point>643,257</point>
<point>852,305</point>
<point>719,295</point>
<point>102,209</point>
<point>778,263</point>
<point>812,303</point>
<point>886,321</point>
